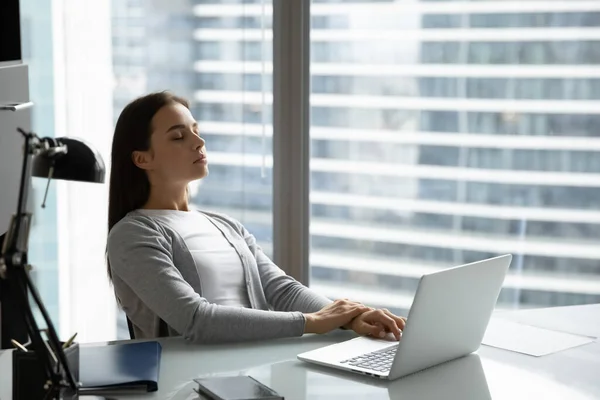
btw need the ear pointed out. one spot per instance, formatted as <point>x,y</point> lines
<point>142,159</point>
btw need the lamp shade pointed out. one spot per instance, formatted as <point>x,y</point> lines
<point>81,162</point>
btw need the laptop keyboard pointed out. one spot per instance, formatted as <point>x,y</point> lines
<point>380,361</point>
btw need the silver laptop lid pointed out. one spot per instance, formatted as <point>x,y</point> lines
<point>449,314</point>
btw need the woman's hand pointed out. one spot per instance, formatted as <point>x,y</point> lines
<point>333,316</point>
<point>378,323</point>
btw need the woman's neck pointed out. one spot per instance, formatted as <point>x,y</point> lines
<point>167,198</point>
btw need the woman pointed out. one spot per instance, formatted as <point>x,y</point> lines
<point>201,275</point>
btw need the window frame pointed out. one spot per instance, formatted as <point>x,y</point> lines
<point>291,139</point>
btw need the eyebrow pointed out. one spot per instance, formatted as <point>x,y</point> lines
<point>181,126</point>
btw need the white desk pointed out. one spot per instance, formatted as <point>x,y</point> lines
<point>572,374</point>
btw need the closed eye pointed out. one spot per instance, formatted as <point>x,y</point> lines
<point>182,133</point>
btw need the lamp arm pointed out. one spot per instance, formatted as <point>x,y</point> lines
<point>13,267</point>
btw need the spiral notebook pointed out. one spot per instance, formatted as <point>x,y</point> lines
<point>119,368</point>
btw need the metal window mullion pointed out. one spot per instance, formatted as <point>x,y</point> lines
<point>291,142</point>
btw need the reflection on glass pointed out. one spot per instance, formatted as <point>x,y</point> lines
<point>463,378</point>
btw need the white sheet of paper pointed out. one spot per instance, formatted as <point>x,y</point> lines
<point>530,340</point>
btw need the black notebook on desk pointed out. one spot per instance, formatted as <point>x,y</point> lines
<point>119,368</point>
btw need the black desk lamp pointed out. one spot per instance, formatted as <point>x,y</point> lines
<point>61,158</point>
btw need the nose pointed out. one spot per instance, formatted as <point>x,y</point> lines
<point>199,143</point>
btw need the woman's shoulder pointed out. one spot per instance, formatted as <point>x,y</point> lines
<point>133,225</point>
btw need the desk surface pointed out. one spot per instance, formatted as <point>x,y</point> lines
<point>491,373</point>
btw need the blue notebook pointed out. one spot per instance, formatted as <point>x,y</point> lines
<point>120,368</point>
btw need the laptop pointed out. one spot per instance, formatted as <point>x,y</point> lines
<point>447,320</point>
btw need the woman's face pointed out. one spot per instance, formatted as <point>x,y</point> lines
<point>177,153</point>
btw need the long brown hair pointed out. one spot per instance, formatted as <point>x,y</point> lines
<point>129,186</point>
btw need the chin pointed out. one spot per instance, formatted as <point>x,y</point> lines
<point>201,174</point>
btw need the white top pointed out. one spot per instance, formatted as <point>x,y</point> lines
<point>219,265</point>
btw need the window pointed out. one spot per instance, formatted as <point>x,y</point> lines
<point>36,28</point>
<point>68,256</point>
<point>140,47</point>
<point>436,144</point>
<point>227,50</point>
<point>513,20</point>
<point>526,52</point>
<point>444,129</point>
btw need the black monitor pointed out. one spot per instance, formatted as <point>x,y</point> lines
<point>10,31</point>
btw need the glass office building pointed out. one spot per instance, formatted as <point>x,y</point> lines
<point>442,132</point>
<point>447,132</point>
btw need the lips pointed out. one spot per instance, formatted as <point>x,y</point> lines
<point>201,159</point>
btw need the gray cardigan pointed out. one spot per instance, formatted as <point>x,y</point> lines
<point>157,284</point>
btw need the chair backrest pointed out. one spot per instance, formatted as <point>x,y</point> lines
<point>130,327</point>
<point>163,328</point>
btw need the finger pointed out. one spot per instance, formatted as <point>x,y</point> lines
<point>354,315</point>
<point>379,330</point>
<point>389,323</point>
<point>344,315</point>
<point>400,321</point>
<point>374,330</point>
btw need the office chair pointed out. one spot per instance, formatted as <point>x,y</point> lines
<point>163,328</point>
<point>130,327</point>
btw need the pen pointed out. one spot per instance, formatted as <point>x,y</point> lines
<point>70,341</point>
<point>51,352</point>
<point>18,345</point>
